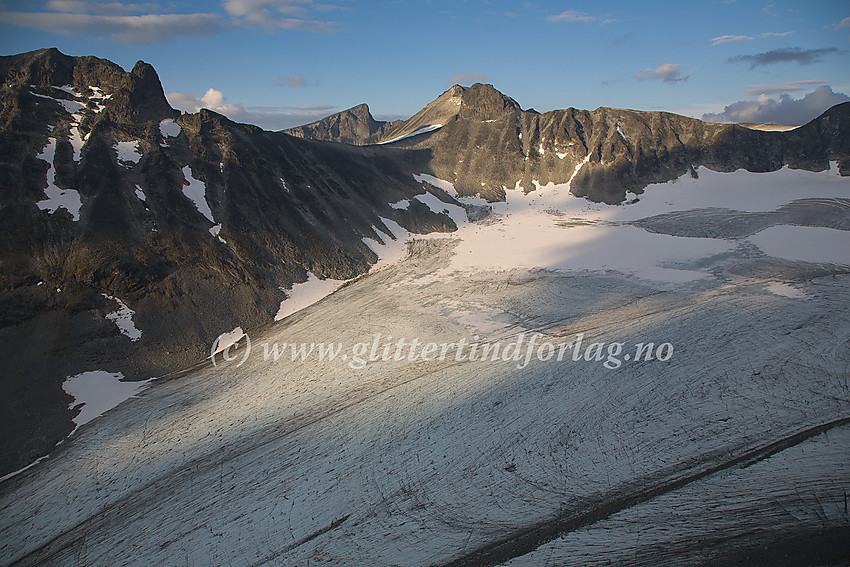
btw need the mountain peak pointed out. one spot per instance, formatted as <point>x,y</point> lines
<point>134,96</point>
<point>46,67</point>
<point>485,101</point>
<point>355,125</point>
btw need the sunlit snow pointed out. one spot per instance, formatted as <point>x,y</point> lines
<point>214,230</point>
<point>805,243</point>
<point>388,250</point>
<point>422,130</point>
<point>785,290</point>
<point>227,339</point>
<point>305,294</point>
<point>552,229</point>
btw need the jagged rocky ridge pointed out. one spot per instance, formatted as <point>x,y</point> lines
<point>96,167</point>
<point>487,145</point>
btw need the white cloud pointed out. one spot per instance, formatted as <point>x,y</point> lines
<point>784,110</point>
<point>845,23</point>
<point>259,9</point>
<point>276,14</point>
<point>730,39</point>
<point>669,73</point>
<point>141,24</point>
<point>106,8</point>
<point>149,28</point>
<point>720,40</point>
<point>296,81</point>
<point>785,55</point>
<point>213,99</point>
<point>572,16</point>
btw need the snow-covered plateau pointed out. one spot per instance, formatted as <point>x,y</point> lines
<point>732,439</point>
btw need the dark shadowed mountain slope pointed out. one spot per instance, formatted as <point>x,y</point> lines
<point>197,223</point>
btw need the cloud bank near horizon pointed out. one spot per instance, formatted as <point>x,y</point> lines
<point>782,110</point>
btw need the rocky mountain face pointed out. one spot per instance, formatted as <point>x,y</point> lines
<point>486,144</point>
<point>196,223</point>
<point>353,126</point>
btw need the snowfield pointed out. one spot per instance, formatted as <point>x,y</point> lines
<point>68,199</point>
<point>196,191</point>
<point>734,441</point>
<point>97,392</point>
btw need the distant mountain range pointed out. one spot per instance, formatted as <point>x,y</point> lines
<point>200,224</point>
<point>483,142</point>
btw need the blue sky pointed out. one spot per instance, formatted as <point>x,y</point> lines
<point>280,63</point>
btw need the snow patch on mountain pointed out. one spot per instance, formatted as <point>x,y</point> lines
<point>305,294</point>
<point>141,194</point>
<point>196,191</point>
<point>123,319</point>
<point>455,212</point>
<point>785,290</point>
<point>214,232</point>
<point>169,128</point>
<point>578,167</point>
<point>68,199</point>
<point>449,188</point>
<point>226,340</point>
<point>128,152</point>
<point>388,250</point>
<point>423,130</point>
<point>97,392</point>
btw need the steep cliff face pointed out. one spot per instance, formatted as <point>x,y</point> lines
<point>196,223</point>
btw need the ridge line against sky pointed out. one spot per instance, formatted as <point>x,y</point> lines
<point>280,63</point>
